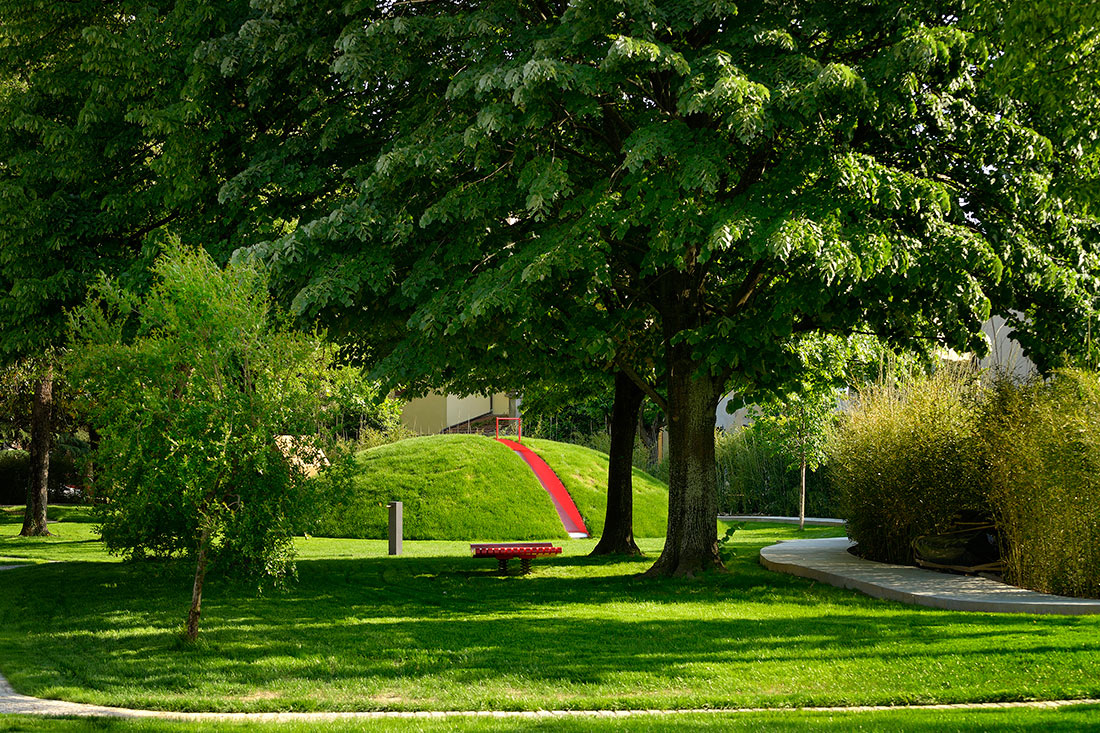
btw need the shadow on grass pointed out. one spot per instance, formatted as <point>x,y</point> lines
<point>446,631</point>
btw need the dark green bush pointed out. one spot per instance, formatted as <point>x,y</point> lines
<point>1043,443</point>
<point>14,470</point>
<point>15,473</point>
<point>907,460</point>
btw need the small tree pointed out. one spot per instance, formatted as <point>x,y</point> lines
<point>190,386</point>
<point>797,429</point>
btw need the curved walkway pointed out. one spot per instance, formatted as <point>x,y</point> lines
<point>828,561</point>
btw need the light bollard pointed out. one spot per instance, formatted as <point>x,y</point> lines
<point>395,527</point>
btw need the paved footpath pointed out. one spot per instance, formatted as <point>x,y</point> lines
<point>828,561</point>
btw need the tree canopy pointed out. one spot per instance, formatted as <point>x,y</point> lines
<point>682,188</point>
<point>741,173</point>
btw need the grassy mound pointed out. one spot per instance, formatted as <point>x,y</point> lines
<point>583,472</point>
<point>468,487</point>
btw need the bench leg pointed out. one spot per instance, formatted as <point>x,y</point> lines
<point>526,561</point>
<point>502,565</point>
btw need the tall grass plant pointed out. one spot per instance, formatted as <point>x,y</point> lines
<point>908,460</point>
<point>1043,447</point>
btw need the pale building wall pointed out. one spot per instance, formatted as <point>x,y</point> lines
<point>426,415</point>
<point>436,412</point>
<point>730,420</point>
<point>1004,353</point>
<point>461,409</point>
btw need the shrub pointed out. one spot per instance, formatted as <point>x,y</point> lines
<point>907,460</point>
<point>1043,443</point>
<point>15,473</point>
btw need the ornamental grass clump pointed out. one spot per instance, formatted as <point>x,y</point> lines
<point>907,460</point>
<point>1043,443</point>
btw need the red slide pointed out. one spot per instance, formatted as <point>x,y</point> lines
<point>563,502</point>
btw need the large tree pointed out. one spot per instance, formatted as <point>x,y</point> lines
<point>122,121</point>
<point>82,187</point>
<point>746,173</point>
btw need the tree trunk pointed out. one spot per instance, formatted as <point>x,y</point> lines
<point>34,517</point>
<point>691,542</point>
<point>196,592</point>
<point>618,526</point>
<point>89,466</point>
<point>802,482</point>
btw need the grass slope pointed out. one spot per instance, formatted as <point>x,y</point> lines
<point>583,472</point>
<point>437,630</point>
<point>469,487</point>
<point>453,487</point>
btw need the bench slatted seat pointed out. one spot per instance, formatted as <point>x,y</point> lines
<point>503,551</point>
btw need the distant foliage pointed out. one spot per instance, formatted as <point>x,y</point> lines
<point>754,479</point>
<point>15,474</point>
<point>907,460</point>
<point>1043,443</point>
<point>356,408</point>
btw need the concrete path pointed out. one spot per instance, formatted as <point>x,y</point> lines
<point>810,521</point>
<point>828,561</point>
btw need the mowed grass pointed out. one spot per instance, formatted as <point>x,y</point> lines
<point>469,487</point>
<point>583,472</point>
<point>438,630</point>
<point>1069,719</point>
<point>459,487</point>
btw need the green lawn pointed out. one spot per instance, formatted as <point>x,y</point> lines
<point>1068,719</point>
<point>469,487</point>
<point>436,630</point>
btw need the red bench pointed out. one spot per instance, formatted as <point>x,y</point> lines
<point>503,551</point>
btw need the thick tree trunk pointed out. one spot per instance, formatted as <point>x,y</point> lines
<point>196,592</point>
<point>618,527</point>
<point>34,517</point>
<point>691,542</point>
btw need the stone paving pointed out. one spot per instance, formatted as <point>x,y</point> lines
<point>828,561</point>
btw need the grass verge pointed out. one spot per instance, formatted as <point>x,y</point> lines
<point>1070,719</point>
